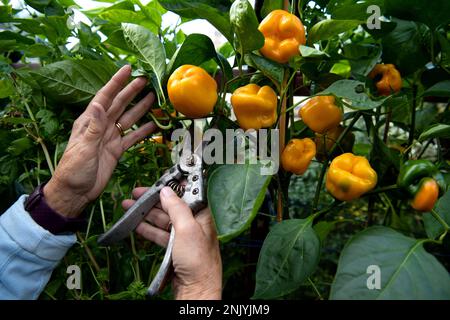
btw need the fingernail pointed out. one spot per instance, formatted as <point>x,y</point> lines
<point>126,67</point>
<point>167,192</point>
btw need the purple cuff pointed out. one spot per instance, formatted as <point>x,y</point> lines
<point>49,219</point>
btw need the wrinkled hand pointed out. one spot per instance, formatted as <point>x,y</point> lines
<point>95,145</point>
<point>196,255</point>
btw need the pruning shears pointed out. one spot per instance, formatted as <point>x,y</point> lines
<point>187,180</point>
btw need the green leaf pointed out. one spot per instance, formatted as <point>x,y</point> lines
<point>126,16</point>
<point>73,82</point>
<point>289,255</point>
<point>271,69</point>
<point>352,9</point>
<point>436,131</point>
<point>326,29</point>
<point>38,50</point>
<point>432,13</point>
<point>6,87</point>
<point>215,11</point>
<point>355,92</point>
<point>407,46</point>
<point>270,5</point>
<point>433,227</point>
<point>235,194</point>
<point>20,146</point>
<point>408,272</point>
<point>362,57</point>
<point>441,89</point>
<point>309,52</point>
<point>49,7</point>
<point>245,26</point>
<point>382,158</point>
<point>342,68</point>
<point>323,229</point>
<point>149,50</point>
<point>196,49</point>
<point>5,13</point>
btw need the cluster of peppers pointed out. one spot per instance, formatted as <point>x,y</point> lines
<point>193,92</point>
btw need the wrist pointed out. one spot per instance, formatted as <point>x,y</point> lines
<point>198,293</point>
<point>209,288</point>
<point>62,200</point>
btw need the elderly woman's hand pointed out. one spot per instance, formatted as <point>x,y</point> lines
<point>196,253</point>
<point>96,144</point>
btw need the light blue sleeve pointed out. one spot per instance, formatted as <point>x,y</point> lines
<point>28,253</point>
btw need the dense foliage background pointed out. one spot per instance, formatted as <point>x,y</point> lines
<point>51,66</point>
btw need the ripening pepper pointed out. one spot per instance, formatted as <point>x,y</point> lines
<point>283,33</point>
<point>388,79</point>
<point>255,107</point>
<point>350,176</point>
<point>423,182</point>
<point>325,142</point>
<point>192,91</point>
<point>297,155</point>
<point>321,114</point>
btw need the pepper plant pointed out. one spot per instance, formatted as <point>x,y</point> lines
<point>359,207</point>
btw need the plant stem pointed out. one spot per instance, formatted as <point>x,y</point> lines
<point>382,190</point>
<point>425,149</point>
<point>282,143</point>
<point>40,140</point>
<point>135,258</point>
<point>88,252</point>
<point>413,115</point>
<point>388,122</point>
<point>102,212</point>
<point>440,220</point>
<point>315,288</point>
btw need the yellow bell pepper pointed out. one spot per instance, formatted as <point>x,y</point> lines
<point>283,33</point>
<point>321,114</point>
<point>192,91</point>
<point>255,107</point>
<point>391,80</point>
<point>297,155</point>
<point>349,177</point>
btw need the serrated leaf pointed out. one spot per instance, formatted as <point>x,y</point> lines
<point>407,271</point>
<point>289,255</point>
<point>235,194</point>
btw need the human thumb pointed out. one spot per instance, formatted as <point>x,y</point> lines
<point>179,212</point>
<point>97,123</point>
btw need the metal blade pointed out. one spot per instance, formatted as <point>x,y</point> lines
<point>136,214</point>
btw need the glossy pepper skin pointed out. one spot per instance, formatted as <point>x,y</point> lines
<point>192,91</point>
<point>391,79</point>
<point>350,176</point>
<point>297,155</point>
<point>321,114</point>
<point>255,107</point>
<point>325,142</point>
<point>423,182</point>
<point>283,33</point>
